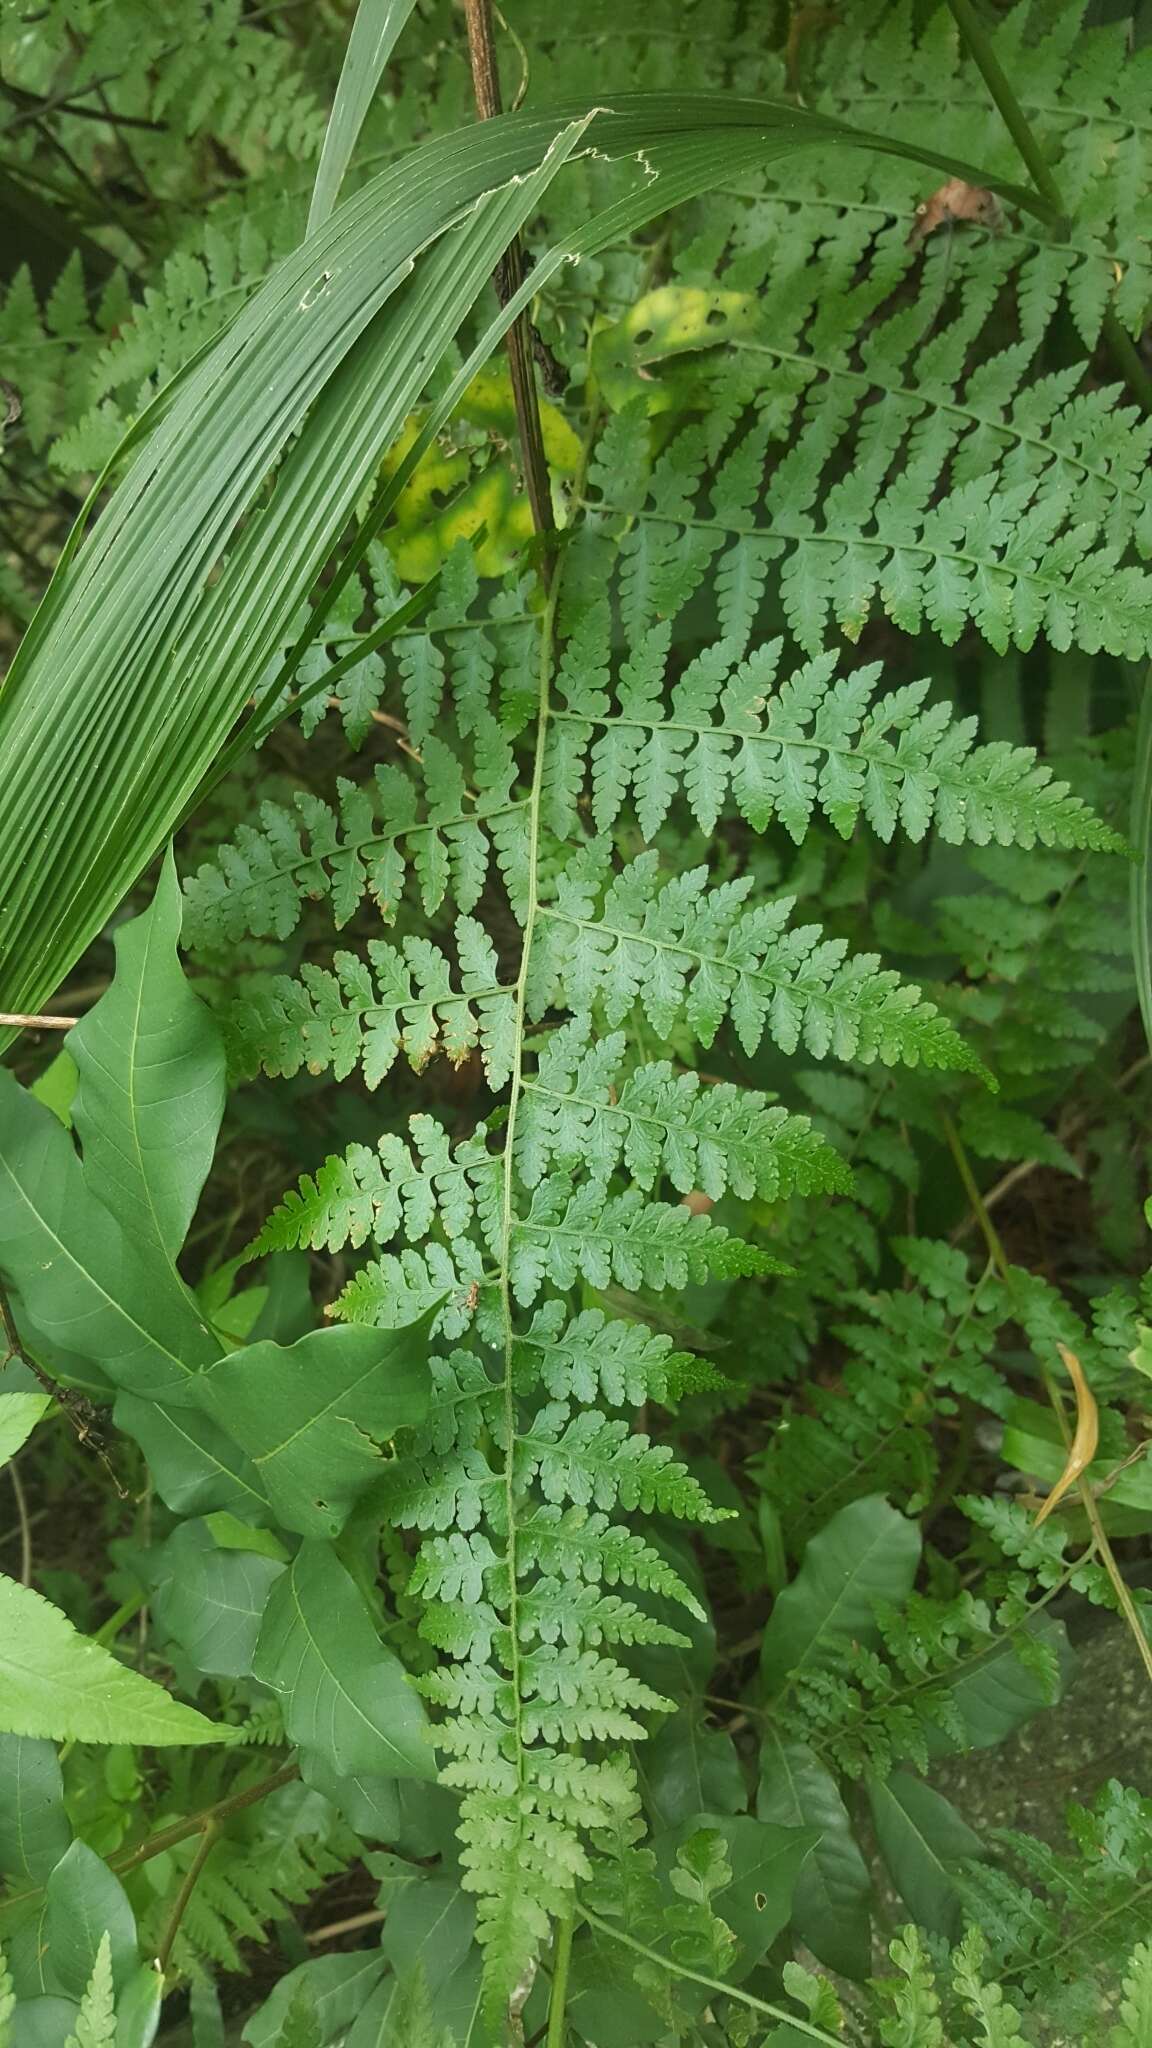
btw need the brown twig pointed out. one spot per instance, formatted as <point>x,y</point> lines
<point>195,1824</point>
<point>351,1925</point>
<point>508,278</point>
<point>21,1021</point>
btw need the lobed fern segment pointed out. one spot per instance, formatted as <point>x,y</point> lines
<point>691,954</point>
<point>785,747</point>
<point>434,827</point>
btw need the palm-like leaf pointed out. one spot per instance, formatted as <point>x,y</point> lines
<point>154,633</point>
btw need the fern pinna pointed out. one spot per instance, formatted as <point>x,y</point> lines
<point>590,950</point>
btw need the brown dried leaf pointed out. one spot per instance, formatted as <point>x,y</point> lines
<point>955,201</point>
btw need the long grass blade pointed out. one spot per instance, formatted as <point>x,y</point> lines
<point>375,32</point>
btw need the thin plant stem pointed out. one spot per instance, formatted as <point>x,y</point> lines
<point>1123,349</point>
<point>195,1823</point>
<point>976,1202</point>
<point>561,1965</point>
<point>508,279</point>
<point>21,1499</point>
<point>735,1991</point>
<point>1008,106</point>
<point>192,1878</point>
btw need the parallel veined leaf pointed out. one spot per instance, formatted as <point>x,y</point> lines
<point>55,1683</point>
<point>375,29</point>
<point>154,636</point>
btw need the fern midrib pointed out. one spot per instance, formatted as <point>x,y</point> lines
<point>345,847</point>
<point>508,1207</point>
<point>1066,110</point>
<point>851,751</point>
<point>1062,584</point>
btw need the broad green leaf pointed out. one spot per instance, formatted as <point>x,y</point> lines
<point>1000,1692</point>
<point>343,1694</point>
<point>56,1087</point>
<point>145,649</point>
<point>151,1089</point>
<point>311,1414</point>
<point>865,1554</point>
<point>84,1280</point>
<point>429,1927</point>
<point>44,2022</point>
<point>34,1828</point>
<point>765,1861</point>
<point>414,1817</point>
<point>922,1839</point>
<point>194,1466</point>
<point>19,1414</point>
<point>375,29</point>
<point>86,1904</point>
<point>55,1683</point>
<point>338,1986</point>
<point>212,1600</point>
<point>830,1911</point>
<point>686,1769</point>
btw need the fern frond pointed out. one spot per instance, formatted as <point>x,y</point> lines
<point>96,2019</point>
<point>1135,2026</point>
<point>593,1357</point>
<point>398,1190</point>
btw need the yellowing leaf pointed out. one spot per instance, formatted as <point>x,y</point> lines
<point>1085,1439</point>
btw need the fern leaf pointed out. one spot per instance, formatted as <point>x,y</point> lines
<point>441,827</point>
<point>354,1015</point>
<point>96,2019</point>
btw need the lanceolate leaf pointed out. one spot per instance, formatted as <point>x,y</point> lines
<point>311,1414</point>
<point>923,1840</point>
<point>343,1693</point>
<point>90,1285</point>
<point>830,1911</point>
<point>151,1090</point>
<point>867,1553</point>
<point>34,1828</point>
<point>54,1683</point>
<point>145,649</point>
